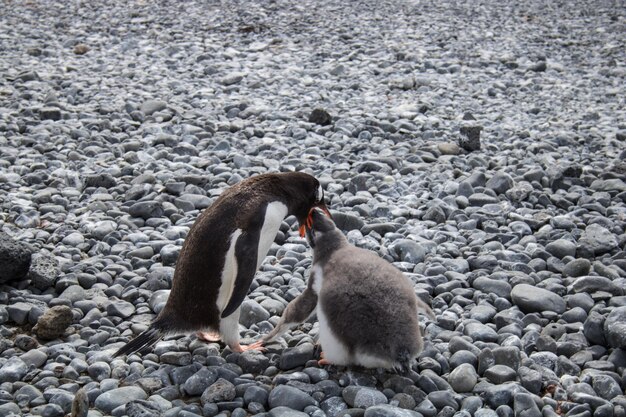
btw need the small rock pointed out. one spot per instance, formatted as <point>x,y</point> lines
<point>606,387</point>
<point>501,182</point>
<point>143,408</point>
<point>15,258</point>
<point>53,322</point>
<point>385,410</point>
<point>200,381</point>
<point>297,356</point>
<point>80,404</point>
<point>615,328</point>
<point>540,66</point>
<point>81,49</point>
<point>525,406</point>
<point>233,78</point>
<point>597,240</point>
<point>577,268</point>
<point>146,210</point>
<point>320,117</point>
<point>110,400</point>
<point>152,106</point>
<point>470,138</point>
<point>286,396</point>
<point>532,299</point>
<point>44,270</point>
<point>561,248</point>
<point>121,308</point>
<point>363,397</point>
<point>463,378</point>
<point>34,357</point>
<point>252,313</point>
<point>50,113</point>
<point>499,374</point>
<point>221,390</point>
<point>13,370</point>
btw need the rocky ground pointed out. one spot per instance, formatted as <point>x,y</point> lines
<point>479,146</point>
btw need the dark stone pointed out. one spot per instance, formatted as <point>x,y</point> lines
<point>320,117</point>
<point>104,180</point>
<point>15,257</point>
<point>291,397</point>
<point>615,328</point>
<point>470,138</point>
<point>297,356</point>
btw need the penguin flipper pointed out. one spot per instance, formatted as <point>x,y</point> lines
<point>246,255</point>
<point>296,312</point>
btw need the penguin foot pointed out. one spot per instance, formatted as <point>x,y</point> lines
<point>323,361</point>
<point>210,337</point>
<point>254,346</point>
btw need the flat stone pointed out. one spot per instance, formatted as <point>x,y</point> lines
<point>532,299</point>
<point>110,400</point>
<point>291,397</point>
<point>363,397</point>
<point>296,356</point>
<point>385,410</point>
<point>150,107</point>
<point>220,390</point>
<point>499,374</point>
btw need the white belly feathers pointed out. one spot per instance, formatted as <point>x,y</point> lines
<point>229,273</point>
<point>274,215</point>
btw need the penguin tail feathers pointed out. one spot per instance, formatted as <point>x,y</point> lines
<point>147,338</point>
<point>404,361</point>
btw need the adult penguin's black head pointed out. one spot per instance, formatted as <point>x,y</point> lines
<point>304,193</point>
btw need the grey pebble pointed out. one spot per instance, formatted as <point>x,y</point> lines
<point>291,397</point>
<point>385,410</point>
<point>531,299</point>
<point>110,400</point>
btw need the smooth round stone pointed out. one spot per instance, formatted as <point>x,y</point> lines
<point>110,400</point>
<point>363,397</point>
<point>577,268</point>
<point>615,328</point>
<point>487,285</point>
<point>532,299</point>
<point>561,248</point>
<point>291,397</point>
<point>463,378</point>
<point>385,410</point>
<point>480,332</point>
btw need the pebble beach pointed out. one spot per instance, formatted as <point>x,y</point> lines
<point>480,147</point>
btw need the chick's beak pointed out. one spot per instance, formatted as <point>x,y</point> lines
<point>308,222</point>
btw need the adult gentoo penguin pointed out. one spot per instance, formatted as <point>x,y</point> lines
<point>367,309</point>
<point>223,250</point>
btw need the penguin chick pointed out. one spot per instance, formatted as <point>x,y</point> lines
<point>367,309</point>
<point>224,248</point>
